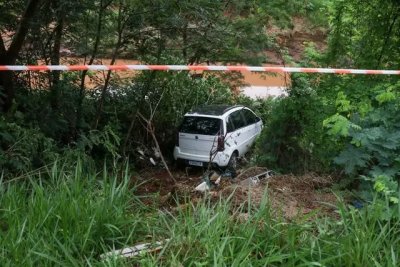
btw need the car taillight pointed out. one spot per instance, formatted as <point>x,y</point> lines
<point>177,139</point>
<point>221,143</point>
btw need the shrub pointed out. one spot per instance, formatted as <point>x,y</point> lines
<point>164,97</point>
<point>372,141</point>
<point>293,136</point>
<point>23,149</point>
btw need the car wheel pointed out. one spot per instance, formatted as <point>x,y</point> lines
<point>233,162</point>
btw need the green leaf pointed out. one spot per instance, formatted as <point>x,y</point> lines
<point>351,158</point>
<point>338,125</point>
<point>394,200</point>
<point>342,103</point>
<point>385,97</point>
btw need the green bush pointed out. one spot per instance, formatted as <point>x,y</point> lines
<point>58,122</point>
<point>293,136</point>
<point>23,149</point>
<point>116,131</point>
<point>372,140</point>
<point>165,97</point>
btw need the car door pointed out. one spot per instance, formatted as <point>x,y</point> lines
<point>236,133</point>
<point>249,129</point>
<point>253,123</point>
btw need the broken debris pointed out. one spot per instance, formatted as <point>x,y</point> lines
<point>135,250</point>
<point>255,180</point>
<point>210,179</point>
<point>213,179</point>
<point>203,187</point>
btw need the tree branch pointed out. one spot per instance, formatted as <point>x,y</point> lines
<point>22,31</point>
<point>120,31</point>
<point>2,46</point>
<point>93,56</point>
<point>387,37</point>
<point>150,129</point>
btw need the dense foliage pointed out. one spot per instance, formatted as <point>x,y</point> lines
<point>350,123</point>
<point>100,116</point>
<point>293,139</point>
<point>342,124</point>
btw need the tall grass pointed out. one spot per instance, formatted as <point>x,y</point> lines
<point>206,235</point>
<point>69,219</point>
<point>65,218</point>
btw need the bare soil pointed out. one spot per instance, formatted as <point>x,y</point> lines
<point>289,196</point>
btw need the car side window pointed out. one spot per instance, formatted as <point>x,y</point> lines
<point>237,120</point>
<point>229,125</point>
<point>251,118</point>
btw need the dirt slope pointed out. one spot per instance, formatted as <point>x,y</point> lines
<point>289,196</point>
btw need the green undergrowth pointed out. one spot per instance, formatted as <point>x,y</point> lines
<point>66,218</point>
<point>61,218</point>
<point>208,235</point>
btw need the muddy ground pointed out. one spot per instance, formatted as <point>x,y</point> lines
<point>289,196</point>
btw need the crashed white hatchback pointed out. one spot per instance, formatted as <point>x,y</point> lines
<point>218,134</point>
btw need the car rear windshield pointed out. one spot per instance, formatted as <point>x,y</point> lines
<point>200,125</point>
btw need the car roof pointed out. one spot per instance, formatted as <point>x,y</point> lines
<point>213,110</point>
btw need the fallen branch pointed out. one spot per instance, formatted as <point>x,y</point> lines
<point>150,129</point>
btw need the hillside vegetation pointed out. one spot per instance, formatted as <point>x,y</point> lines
<point>76,180</point>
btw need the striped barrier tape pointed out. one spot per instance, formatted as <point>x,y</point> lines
<point>192,68</point>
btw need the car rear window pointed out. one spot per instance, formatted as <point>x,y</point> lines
<point>200,125</point>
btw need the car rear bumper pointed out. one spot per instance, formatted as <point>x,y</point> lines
<point>221,158</point>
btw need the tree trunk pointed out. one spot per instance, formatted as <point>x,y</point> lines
<point>104,89</point>
<point>128,134</point>
<point>103,7</point>
<point>9,57</point>
<point>184,38</point>
<point>6,87</point>
<point>388,35</point>
<point>120,30</point>
<point>55,60</point>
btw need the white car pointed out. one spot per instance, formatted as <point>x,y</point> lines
<point>218,134</point>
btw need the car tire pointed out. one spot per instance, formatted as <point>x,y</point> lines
<point>232,164</point>
<point>233,161</point>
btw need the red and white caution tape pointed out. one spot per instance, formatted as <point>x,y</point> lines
<point>193,68</point>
